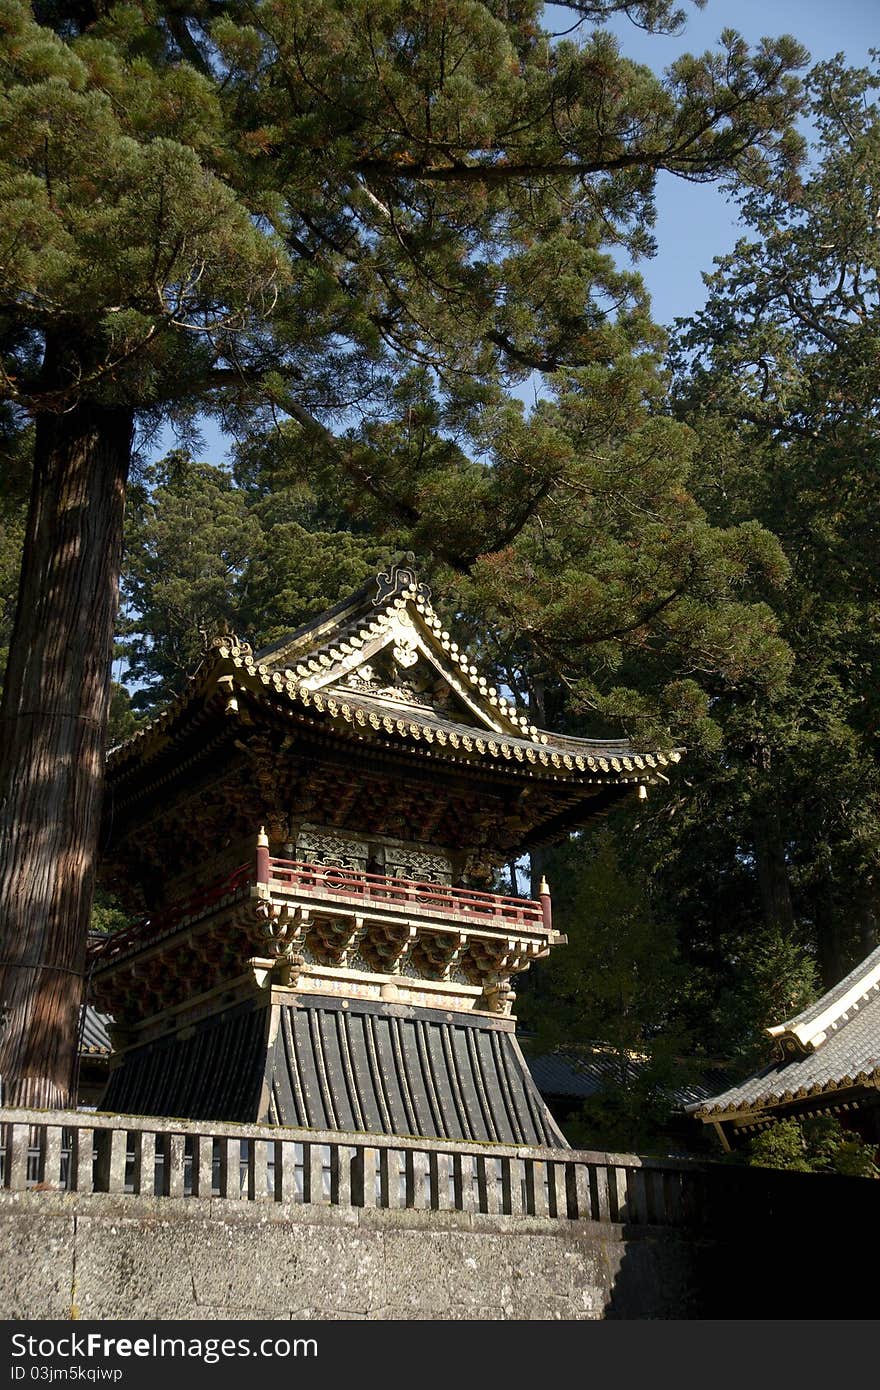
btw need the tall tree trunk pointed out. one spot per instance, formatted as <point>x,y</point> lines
<point>53,722</point>
<point>867,916</point>
<point>829,937</point>
<point>773,882</point>
<point>828,943</point>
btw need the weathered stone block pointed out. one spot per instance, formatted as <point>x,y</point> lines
<point>36,1262</point>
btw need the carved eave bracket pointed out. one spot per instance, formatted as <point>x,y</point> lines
<point>283,927</point>
<point>293,937</point>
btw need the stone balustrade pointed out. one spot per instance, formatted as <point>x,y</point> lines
<point>81,1152</point>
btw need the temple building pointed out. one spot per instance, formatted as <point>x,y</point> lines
<point>826,1060</point>
<point>312,835</point>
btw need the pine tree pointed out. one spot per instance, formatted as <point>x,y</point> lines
<point>271,212</point>
<point>778,376</point>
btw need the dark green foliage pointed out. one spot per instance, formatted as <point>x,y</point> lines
<point>124,719</point>
<point>778,376</point>
<point>615,986</point>
<point>815,1145</point>
<point>356,225</point>
<point>204,557</point>
<point>188,542</point>
<point>108,915</point>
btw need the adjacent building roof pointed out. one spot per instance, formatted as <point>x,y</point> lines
<point>579,1073</point>
<point>828,1049</point>
<point>94,1035</point>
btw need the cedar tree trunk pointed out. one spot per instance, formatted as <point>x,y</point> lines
<point>773,881</point>
<point>53,723</point>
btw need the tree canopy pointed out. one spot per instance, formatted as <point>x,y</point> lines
<point>351,229</point>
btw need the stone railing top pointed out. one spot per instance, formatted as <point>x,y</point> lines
<point>221,1129</point>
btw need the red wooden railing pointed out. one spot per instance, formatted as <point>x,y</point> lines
<point>381,890</point>
<point>156,924</point>
<point>332,884</point>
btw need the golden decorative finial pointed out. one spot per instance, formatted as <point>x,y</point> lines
<point>262,838</point>
<point>545,886</point>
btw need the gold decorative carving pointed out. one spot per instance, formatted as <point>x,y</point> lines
<point>283,928</point>
<point>400,580</point>
<point>498,997</point>
<point>233,645</point>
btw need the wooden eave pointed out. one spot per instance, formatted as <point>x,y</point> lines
<point>814,1099</point>
<point>311,691</point>
<point>232,676</point>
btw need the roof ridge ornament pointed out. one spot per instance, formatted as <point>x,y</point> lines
<point>400,580</point>
<point>230,642</point>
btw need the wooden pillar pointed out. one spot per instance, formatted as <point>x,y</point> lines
<point>546,904</point>
<point>263,857</point>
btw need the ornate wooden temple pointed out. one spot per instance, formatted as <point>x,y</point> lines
<point>825,1060</point>
<point>312,833</point>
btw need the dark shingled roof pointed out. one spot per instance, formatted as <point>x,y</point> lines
<point>389,1070</point>
<point>833,1045</point>
<point>94,1036</point>
<point>343,1065</point>
<point>836,1006</point>
<point>579,1074</point>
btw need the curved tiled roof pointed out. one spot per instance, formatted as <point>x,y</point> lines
<point>809,1029</point>
<point>307,670</point>
<point>362,711</point>
<point>833,1045</point>
<point>94,1035</point>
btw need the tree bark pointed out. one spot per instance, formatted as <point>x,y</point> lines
<point>773,881</point>
<point>828,943</point>
<point>53,722</point>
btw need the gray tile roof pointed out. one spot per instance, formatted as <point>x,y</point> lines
<point>431,719</point>
<point>350,1065</point>
<point>399,1071</point>
<point>578,1074</point>
<point>95,1038</point>
<point>860,982</point>
<point>850,1055</point>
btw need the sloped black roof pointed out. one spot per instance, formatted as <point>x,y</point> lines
<point>579,1073</point>
<point>347,1065</point>
<point>94,1032</point>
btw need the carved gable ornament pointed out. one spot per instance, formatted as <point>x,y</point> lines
<point>392,646</point>
<point>400,580</point>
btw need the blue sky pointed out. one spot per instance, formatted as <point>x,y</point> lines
<point>695,223</point>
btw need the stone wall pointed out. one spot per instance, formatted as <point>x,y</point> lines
<point>109,1216</point>
<point>111,1257</point>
